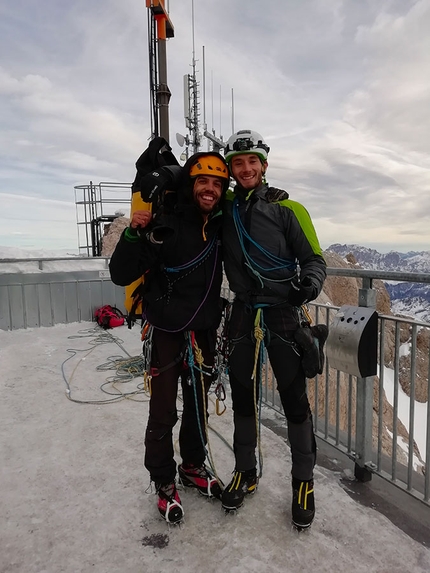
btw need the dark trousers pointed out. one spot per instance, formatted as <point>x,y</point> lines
<point>285,359</point>
<point>163,414</point>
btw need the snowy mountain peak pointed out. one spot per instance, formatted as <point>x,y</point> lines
<point>412,261</point>
<point>410,299</point>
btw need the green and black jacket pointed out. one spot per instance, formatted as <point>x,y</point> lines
<point>285,230</point>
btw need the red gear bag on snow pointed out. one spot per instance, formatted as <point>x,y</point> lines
<point>109,316</point>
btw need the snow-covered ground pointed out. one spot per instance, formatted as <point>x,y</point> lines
<point>75,496</point>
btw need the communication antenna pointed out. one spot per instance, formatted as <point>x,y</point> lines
<point>191,107</point>
<point>217,143</point>
<point>220,110</point>
<point>191,99</point>
<point>232,111</point>
<point>204,89</point>
<point>205,125</point>
<point>183,140</point>
<point>212,100</point>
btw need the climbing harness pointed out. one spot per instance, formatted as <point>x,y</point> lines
<point>149,371</point>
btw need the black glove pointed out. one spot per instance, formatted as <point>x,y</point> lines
<point>273,194</point>
<point>311,340</point>
<point>154,184</point>
<point>301,292</point>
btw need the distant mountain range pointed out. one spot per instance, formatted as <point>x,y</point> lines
<point>411,262</point>
<point>411,299</point>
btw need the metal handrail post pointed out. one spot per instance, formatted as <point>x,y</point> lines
<point>364,402</point>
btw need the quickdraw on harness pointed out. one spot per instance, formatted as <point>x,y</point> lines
<point>220,398</point>
<point>196,363</point>
<point>221,359</point>
<point>146,337</point>
<point>149,372</point>
<point>304,316</point>
<point>277,262</point>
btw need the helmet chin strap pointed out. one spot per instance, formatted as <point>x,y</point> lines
<point>264,163</point>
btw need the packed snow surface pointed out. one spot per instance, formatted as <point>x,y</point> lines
<point>75,496</point>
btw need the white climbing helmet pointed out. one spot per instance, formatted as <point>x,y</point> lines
<point>246,141</point>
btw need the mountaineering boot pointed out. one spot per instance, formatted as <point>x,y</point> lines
<point>303,505</point>
<point>243,483</point>
<point>169,503</point>
<point>201,478</point>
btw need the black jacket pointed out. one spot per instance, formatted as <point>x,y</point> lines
<point>183,274</point>
<point>284,229</point>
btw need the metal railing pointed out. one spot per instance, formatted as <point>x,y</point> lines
<point>382,423</point>
<point>91,202</point>
<point>39,292</point>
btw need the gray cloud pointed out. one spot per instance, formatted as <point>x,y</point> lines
<point>339,89</point>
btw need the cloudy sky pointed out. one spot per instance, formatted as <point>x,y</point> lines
<point>340,89</point>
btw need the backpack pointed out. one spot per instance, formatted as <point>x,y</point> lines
<point>109,316</point>
<point>157,154</point>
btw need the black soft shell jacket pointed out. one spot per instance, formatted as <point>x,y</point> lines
<point>284,228</point>
<point>175,299</point>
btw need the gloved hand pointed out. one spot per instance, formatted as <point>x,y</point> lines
<point>301,292</point>
<point>273,194</point>
<point>155,183</point>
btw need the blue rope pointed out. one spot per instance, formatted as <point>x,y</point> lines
<point>242,232</point>
<point>192,366</point>
<point>194,261</point>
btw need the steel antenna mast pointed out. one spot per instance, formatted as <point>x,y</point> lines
<point>193,96</point>
<point>160,28</point>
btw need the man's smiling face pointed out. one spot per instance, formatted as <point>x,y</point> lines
<point>207,192</point>
<point>247,170</point>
